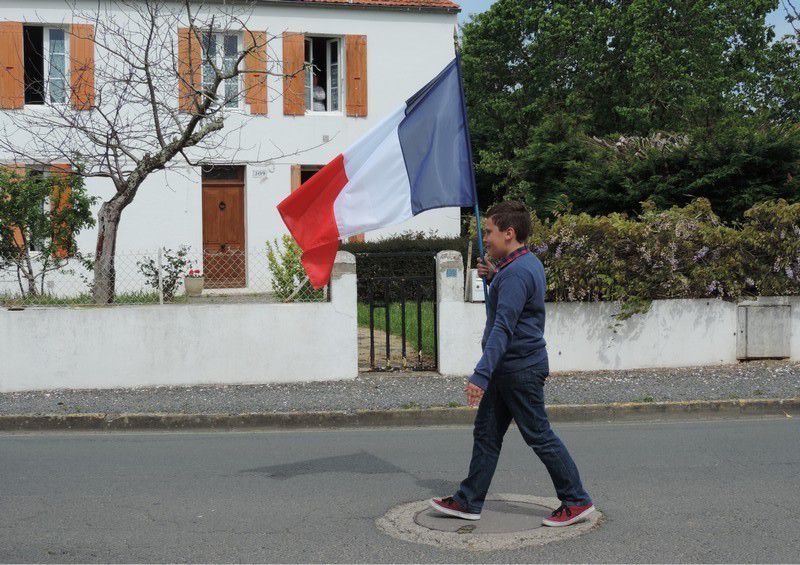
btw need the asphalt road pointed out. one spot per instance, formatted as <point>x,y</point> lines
<point>708,491</point>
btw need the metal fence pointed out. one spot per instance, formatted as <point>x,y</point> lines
<point>163,276</point>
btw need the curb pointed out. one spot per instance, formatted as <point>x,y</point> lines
<point>616,412</point>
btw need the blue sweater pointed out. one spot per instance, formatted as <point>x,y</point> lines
<point>514,335</point>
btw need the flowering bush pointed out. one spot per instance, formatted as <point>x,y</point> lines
<point>682,252</point>
<point>196,273</point>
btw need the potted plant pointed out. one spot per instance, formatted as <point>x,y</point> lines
<point>193,282</point>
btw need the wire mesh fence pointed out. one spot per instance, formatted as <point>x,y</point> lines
<point>163,276</point>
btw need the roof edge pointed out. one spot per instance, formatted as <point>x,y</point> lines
<point>356,6</point>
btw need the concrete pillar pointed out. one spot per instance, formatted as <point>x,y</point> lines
<point>449,277</point>
<point>460,325</point>
<point>344,298</point>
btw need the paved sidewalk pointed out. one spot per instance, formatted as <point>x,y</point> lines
<point>385,391</point>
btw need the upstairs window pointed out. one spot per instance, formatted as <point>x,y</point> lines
<point>224,49</point>
<point>323,76</point>
<point>45,64</point>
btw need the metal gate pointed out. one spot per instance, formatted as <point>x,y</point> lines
<point>402,312</point>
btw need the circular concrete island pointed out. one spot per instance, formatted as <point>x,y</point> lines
<point>508,521</point>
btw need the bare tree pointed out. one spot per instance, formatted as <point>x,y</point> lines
<point>162,99</point>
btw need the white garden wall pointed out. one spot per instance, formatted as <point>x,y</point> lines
<point>132,346</point>
<point>586,336</point>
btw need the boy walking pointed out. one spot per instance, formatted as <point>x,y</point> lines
<point>508,381</point>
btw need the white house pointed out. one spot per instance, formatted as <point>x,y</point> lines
<point>369,56</point>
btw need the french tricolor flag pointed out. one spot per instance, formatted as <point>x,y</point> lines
<point>418,158</point>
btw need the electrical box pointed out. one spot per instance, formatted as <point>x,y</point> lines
<point>764,328</point>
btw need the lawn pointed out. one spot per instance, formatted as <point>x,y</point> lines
<point>395,323</point>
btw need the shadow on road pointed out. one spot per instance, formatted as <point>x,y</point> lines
<point>359,463</point>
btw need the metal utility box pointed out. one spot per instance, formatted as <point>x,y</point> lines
<point>475,287</point>
<point>764,329</point>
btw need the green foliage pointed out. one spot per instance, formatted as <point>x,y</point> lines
<point>681,252</point>
<point>733,166</point>
<point>544,79</point>
<point>174,266</point>
<point>288,277</point>
<point>40,215</point>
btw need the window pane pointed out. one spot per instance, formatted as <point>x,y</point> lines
<point>230,53</point>
<point>209,51</point>
<point>57,70</point>
<point>309,84</point>
<point>333,52</point>
<point>58,91</point>
<point>231,92</point>
<point>231,45</point>
<point>57,41</point>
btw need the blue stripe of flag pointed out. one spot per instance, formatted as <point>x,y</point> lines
<point>434,139</point>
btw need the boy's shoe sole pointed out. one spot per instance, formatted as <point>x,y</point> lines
<point>456,513</point>
<point>575,519</point>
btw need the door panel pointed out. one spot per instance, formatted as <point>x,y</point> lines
<point>224,258</point>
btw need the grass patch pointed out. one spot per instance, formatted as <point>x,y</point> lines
<point>396,323</point>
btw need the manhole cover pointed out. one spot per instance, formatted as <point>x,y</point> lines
<point>508,521</point>
<point>497,517</point>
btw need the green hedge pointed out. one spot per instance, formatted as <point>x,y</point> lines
<point>682,252</point>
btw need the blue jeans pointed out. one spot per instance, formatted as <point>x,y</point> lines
<point>518,395</point>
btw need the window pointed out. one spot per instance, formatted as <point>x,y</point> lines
<point>323,79</point>
<point>308,171</point>
<point>221,173</point>
<point>224,50</point>
<point>45,64</point>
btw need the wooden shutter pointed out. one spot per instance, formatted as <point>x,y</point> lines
<point>81,71</point>
<point>59,199</point>
<point>294,55</point>
<point>356,90</point>
<point>296,178</point>
<point>12,71</point>
<point>190,60</point>
<point>255,78</point>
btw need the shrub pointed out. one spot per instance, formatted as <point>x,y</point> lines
<point>173,269</point>
<point>288,277</point>
<point>682,252</point>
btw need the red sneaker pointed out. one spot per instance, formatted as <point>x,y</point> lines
<point>566,515</point>
<point>452,508</point>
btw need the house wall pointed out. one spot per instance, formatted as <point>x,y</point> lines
<point>405,50</point>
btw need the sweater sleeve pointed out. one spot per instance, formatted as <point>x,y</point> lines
<point>511,298</point>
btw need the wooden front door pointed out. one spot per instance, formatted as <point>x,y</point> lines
<point>224,257</point>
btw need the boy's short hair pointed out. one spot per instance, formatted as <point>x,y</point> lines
<point>512,214</point>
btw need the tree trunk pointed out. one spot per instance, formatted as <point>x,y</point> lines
<point>103,289</point>
<point>27,270</point>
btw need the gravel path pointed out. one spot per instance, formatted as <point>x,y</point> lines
<point>767,379</point>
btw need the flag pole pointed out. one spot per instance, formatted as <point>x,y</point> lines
<point>471,162</point>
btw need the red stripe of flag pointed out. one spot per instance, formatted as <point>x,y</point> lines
<point>308,213</point>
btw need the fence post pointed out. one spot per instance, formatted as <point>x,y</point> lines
<point>160,279</point>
